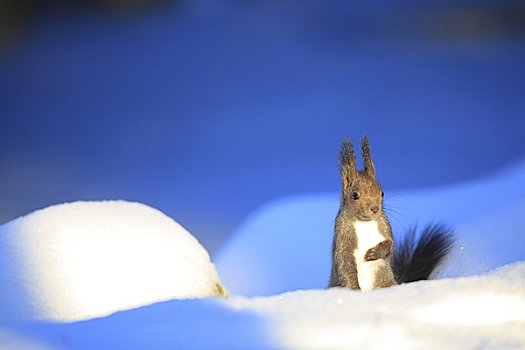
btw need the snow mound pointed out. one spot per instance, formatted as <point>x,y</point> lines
<point>86,259</point>
<point>480,312</point>
<point>286,245</point>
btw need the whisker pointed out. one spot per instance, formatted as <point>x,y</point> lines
<point>390,209</point>
<point>395,216</point>
<point>390,204</point>
<point>392,217</point>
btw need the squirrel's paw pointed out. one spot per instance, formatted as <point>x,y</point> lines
<point>372,255</point>
<point>380,251</point>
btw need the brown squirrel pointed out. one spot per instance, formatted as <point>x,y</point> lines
<point>363,254</point>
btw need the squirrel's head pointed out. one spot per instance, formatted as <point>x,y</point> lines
<point>362,195</point>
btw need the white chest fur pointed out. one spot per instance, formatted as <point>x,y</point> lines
<point>368,236</point>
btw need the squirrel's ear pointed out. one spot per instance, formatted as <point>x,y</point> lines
<point>347,163</point>
<point>367,157</point>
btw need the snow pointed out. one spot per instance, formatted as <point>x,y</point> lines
<point>88,259</point>
<point>435,314</point>
<point>486,311</point>
<point>282,251</point>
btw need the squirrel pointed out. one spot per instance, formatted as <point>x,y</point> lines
<point>364,255</point>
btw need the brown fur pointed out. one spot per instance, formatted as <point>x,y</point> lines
<point>368,206</point>
<point>220,291</point>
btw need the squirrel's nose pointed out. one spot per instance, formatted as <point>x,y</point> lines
<point>374,209</point>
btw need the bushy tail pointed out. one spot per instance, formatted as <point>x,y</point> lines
<point>415,261</point>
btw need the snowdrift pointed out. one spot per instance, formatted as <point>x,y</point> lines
<point>283,251</point>
<point>86,259</point>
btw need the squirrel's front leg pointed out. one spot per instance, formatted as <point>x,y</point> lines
<point>347,270</point>
<point>381,251</point>
<point>348,279</point>
<point>351,281</point>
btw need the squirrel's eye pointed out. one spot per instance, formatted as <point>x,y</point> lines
<point>382,194</point>
<point>355,196</point>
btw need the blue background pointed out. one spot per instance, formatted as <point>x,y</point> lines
<point>209,109</point>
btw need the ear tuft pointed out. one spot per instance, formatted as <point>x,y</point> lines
<point>367,157</point>
<point>347,163</point>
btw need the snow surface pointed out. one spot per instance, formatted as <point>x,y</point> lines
<point>482,312</point>
<point>86,259</point>
<point>283,252</point>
